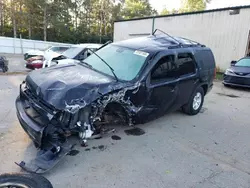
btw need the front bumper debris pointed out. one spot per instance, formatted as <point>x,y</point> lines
<point>33,129</point>
<point>45,160</point>
<point>34,119</point>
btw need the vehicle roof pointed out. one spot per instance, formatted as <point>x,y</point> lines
<point>89,45</point>
<point>155,43</point>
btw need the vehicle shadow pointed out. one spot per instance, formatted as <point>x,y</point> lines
<point>81,154</point>
<point>238,88</point>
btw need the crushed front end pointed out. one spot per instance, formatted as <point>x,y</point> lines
<point>49,127</point>
<point>41,123</point>
<point>57,102</point>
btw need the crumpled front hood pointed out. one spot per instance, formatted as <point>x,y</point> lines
<point>66,85</point>
<point>50,55</point>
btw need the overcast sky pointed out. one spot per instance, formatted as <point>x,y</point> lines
<point>171,4</point>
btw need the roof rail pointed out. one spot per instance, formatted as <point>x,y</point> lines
<point>167,35</point>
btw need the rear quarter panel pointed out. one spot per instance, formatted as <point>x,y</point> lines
<point>206,66</point>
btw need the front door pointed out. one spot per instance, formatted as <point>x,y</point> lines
<point>163,86</point>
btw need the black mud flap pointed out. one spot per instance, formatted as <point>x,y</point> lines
<point>45,160</point>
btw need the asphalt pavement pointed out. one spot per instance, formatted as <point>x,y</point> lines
<point>209,150</point>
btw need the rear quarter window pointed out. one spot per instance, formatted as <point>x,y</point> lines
<point>186,64</point>
<point>205,59</point>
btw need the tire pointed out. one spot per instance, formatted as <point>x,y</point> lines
<point>191,109</point>
<point>24,180</point>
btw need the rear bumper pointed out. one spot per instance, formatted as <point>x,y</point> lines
<point>239,81</point>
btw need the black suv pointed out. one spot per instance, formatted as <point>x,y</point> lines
<point>132,81</point>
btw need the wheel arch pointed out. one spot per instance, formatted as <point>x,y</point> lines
<point>117,108</point>
<point>205,88</point>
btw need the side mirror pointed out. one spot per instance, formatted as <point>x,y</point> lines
<point>233,63</point>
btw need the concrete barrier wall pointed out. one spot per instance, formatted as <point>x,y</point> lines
<point>20,46</point>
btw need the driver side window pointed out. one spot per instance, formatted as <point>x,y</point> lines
<point>164,70</point>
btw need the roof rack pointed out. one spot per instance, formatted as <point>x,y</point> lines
<point>178,42</point>
<point>167,35</point>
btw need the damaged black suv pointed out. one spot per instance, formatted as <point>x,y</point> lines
<point>132,81</point>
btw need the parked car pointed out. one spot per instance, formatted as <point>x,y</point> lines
<point>35,58</point>
<point>33,53</point>
<point>73,54</point>
<point>35,62</point>
<point>238,74</point>
<point>4,63</point>
<point>132,81</point>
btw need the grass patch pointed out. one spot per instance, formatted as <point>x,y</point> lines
<point>219,76</point>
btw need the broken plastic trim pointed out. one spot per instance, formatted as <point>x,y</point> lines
<point>45,159</point>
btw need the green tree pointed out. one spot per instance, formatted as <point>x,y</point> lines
<point>193,5</point>
<point>165,12</point>
<point>73,21</point>
<point>137,8</point>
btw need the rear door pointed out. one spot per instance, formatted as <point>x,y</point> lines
<point>187,71</point>
<point>163,85</point>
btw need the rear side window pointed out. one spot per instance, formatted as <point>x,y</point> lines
<point>186,64</point>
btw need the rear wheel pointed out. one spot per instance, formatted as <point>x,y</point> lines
<point>195,102</point>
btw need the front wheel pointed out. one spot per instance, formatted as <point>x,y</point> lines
<point>24,181</point>
<point>195,102</point>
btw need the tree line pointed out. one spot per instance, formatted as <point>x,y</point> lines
<point>75,21</point>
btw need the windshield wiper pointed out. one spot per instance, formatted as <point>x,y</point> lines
<point>112,70</point>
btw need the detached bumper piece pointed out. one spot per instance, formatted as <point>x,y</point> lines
<point>45,160</point>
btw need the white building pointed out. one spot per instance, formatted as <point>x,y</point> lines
<point>225,31</point>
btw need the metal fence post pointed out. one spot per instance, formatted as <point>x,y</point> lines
<point>14,45</point>
<point>21,43</point>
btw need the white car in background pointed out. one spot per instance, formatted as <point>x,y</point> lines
<point>75,53</point>
<point>51,49</point>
